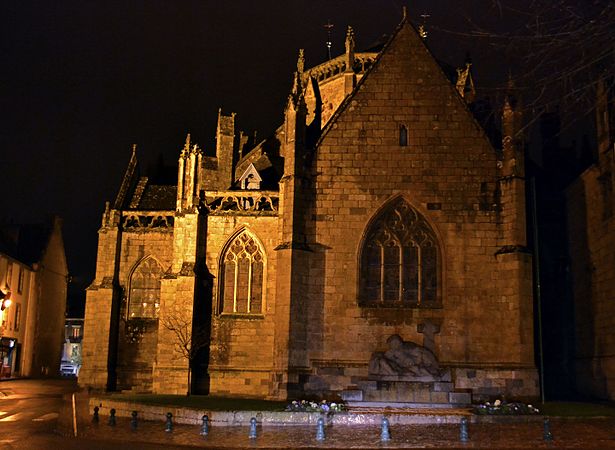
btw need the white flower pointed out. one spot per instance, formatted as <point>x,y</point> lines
<point>497,403</point>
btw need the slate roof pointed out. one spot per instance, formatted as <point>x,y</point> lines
<point>24,243</point>
<point>158,197</point>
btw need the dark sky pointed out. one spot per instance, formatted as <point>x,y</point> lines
<point>83,80</point>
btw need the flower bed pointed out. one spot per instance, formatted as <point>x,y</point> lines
<point>504,408</point>
<point>310,406</point>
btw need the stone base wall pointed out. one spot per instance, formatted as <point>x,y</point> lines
<point>482,383</point>
<point>241,383</point>
<point>171,380</point>
<point>489,384</point>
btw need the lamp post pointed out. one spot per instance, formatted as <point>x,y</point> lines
<point>5,299</point>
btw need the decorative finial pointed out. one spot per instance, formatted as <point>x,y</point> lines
<point>187,144</point>
<point>404,13</point>
<point>349,57</point>
<point>134,149</point>
<point>423,25</point>
<point>300,62</point>
<point>349,40</point>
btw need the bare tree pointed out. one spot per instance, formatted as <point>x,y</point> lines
<point>189,339</point>
<point>557,51</point>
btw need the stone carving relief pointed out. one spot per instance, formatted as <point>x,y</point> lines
<point>404,361</point>
<point>144,222</point>
<point>243,202</point>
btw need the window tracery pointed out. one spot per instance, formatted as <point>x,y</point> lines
<point>144,296</point>
<point>242,273</point>
<point>399,262</point>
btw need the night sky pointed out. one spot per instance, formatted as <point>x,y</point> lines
<point>83,80</point>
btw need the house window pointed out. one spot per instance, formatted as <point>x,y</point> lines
<point>20,280</point>
<point>144,300</point>
<point>76,331</point>
<point>9,274</point>
<point>17,317</point>
<point>241,280</point>
<point>399,263</point>
<point>403,136</point>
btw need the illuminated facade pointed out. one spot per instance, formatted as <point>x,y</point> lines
<point>33,270</point>
<point>378,207</point>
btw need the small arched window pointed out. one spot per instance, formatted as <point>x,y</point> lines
<point>144,291</point>
<point>399,262</point>
<point>241,281</point>
<point>403,136</point>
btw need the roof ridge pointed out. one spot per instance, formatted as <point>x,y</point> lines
<point>350,96</point>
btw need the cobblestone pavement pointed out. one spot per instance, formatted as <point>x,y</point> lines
<point>571,433</point>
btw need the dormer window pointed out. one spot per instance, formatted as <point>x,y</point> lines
<point>250,179</point>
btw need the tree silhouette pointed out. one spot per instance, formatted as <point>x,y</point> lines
<point>188,339</point>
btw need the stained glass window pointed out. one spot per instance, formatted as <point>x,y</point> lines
<point>144,300</point>
<point>241,286</point>
<point>399,264</point>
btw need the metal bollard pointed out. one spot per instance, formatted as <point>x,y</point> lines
<point>385,434</point>
<point>112,417</point>
<point>169,424</point>
<point>133,421</point>
<point>252,432</point>
<point>95,418</point>
<point>464,436</point>
<point>320,429</point>
<point>547,435</point>
<point>205,425</point>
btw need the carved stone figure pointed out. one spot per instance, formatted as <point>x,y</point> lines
<point>404,359</point>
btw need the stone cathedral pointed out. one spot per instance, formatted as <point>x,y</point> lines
<point>373,248</point>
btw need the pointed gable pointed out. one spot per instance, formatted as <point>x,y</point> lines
<point>250,179</point>
<point>408,76</point>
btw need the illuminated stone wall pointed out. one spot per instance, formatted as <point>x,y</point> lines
<point>485,287</point>
<point>312,333</point>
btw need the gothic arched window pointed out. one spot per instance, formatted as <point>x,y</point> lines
<point>144,291</point>
<point>399,263</point>
<point>241,276</point>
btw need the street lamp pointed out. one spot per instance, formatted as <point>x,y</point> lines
<point>5,299</point>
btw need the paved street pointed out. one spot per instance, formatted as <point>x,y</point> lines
<point>36,414</point>
<point>30,408</point>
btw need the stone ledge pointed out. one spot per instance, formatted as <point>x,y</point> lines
<point>356,416</point>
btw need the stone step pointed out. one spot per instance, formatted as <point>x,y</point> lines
<point>434,393</point>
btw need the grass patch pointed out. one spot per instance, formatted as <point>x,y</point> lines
<point>576,409</point>
<point>204,402</point>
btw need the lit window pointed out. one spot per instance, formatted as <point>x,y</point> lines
<point>20,280</point>
<point>17,316</point>
<point>399,260</point>
<point>242,269</point>
<point>145,290</point>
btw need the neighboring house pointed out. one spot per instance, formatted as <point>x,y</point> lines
<point>71,350</point>
<point>591,234</point>
<point>379,207</point>
<point>33,270</point>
